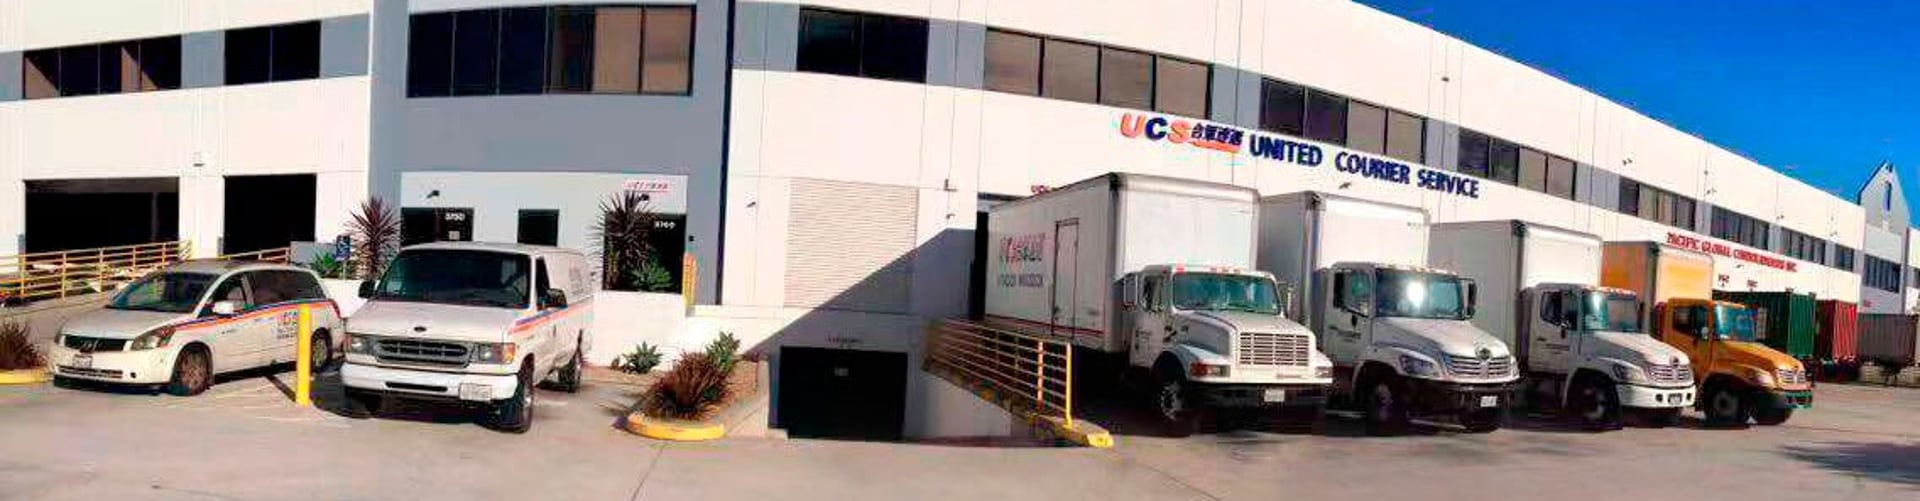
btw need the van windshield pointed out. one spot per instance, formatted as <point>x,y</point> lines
<point>1224,292</point>
<point>1612,312</point>
<point>1416,294</point>
<point>459,277</point>
<point>1731,322</point>
<point>165,292</point>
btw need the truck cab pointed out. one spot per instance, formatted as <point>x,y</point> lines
<point>1401,335</point>
<point>1739,377</point>
<point>1586,350</point>
<point>1216,337</point>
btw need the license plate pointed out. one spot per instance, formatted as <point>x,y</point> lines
<point>475,392</point>
<point>1275,396</point>
<point>1490,401</point>
<point>82,361</point>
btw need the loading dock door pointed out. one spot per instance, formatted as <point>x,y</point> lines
<point>70,214</point>
<point>267,212</point>
<point>852,394</point>
<point>419,225</point>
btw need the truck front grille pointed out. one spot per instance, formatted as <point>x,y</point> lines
<point>92,344</point>
<point>1475,367</point>
<point>1790,377</point>
<point>1270,348</point>
<point>414,351</point>
<point>1670,374</point>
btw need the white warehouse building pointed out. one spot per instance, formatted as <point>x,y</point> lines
<point>826,164</point>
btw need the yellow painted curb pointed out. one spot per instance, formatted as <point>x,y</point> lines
<point>680,431</point>
<point>25,376</point>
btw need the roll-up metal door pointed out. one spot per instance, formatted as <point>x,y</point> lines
<point>850,246</point>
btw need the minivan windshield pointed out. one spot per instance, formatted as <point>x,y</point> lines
<point>1225,292</point>
<point>458,277</point>
<point>1610,311</point>
<point>1731,322</point>
<point>1418,294</point>
<point>164,292</point>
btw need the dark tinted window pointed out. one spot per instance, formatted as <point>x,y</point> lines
<point>1504,160</point>
<point>666,66</point>
<point>1629,196</point>
<point>1326,118</point>
<point>103,68</point>
<point>616,50</point>
<point>570,63</point>
<point>1406,137</point>
<point>1560,177</point>
<point>523,50</point>
<point>1283,107</point>
<point>1740,228</point>
<point>430,55</point>
<point>476,42</point>
<point>893,48</point>
<point>80,70</point>
<point>1533,170</point>
<point>1366,127</point>
<point>1070,71</point>
<point>296,51</point>
<point>1181,87</point>
<point>111,57</point>
<point>1013,63</point>
<point>1126,78</point>
<point>249,55</point>
<point>829,42</point>
<point>1474,150</point>
<point>539,227</point>
<point>160,63</point>
<point>42,74</point>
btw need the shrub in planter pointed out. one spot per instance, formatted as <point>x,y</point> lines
<point>641,360</point>
<point>15,351</point>
<point>690,390</point>
<point>725,351</point>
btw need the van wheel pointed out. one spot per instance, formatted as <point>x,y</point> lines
<point>515,415</point>
<point>570,374</point>
<point>1175,405</point>
<point>1386,407</point>
<point>1595,403</point>
<point>321,349</point>
<point>1771,416</point>
<point>1725,406</point>
<point>192,372</point>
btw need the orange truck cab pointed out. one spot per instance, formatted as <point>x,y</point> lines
<point>1739,377</point>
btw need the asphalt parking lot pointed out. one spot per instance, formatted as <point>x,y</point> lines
<point>244,440</point>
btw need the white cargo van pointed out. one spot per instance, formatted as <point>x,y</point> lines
<point>1581,346</point>
<point>1158,273</point>
<point>1397,331</point>
<point>471,322</point>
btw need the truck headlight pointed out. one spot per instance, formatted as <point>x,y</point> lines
<point>1763,379</point>
<point>359,343</point>
<point>1414,366</point>
<point>1627,373</point>
<point>494,353</point>
<point>156,338</point>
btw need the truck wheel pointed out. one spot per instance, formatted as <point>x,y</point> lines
<point>362,404</point>
<point>1770,415</point>
<point>1662,418</point>
<point>192,372</point>
<point>1595,403</point>
<point>1385,403</point>
<point>1725,407</point>
<point>570,374</point>
<point>1483,420</point>
<point>515,415</point>
<point>1175,405</point>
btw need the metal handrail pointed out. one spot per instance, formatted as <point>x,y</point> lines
<point>264,255</point>
<point>1032,370</point>
<point>42,275</point>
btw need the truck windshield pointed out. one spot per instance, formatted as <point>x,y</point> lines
<point>166,292</point>
<point>1613,312</point>
<point>459,277</point>
<point>1732,322</point>
<point>1224,292</point>
<point>1415,294</point>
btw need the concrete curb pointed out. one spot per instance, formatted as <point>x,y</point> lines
<point>25,376</point>
<point>1078,431</point>
<point>675,430</point>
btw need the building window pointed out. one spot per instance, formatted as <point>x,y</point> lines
<point>1474,148</point>
<point>1802,246</point>
<point>107,68</point>
<point>1031,65</point>
<point>533,50</point>
<point>1842,257</point>
<point>1650,203</point>
<point>1283,107</point>
<point>1740,228</point>
<point>1181,87</point>
<point>1533,170</point>
<point>1326,120</point>
<point>273,53</point>
<point>1406,137</point>
<point>1504,160</point>
<point>539,227</point>
<point>1070,71</point>
<point>1126,78</point>
<point>1561,177</point>
<point>1629,197</point>
<point>1013,63</point>
<point>1366,128</point>
<point>863,45</point>
<point>1882,274</point>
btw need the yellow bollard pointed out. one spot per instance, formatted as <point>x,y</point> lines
<point>303,363</point>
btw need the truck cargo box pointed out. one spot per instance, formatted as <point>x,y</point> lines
<point>1782,320</point>
<point>1837,336</point>
<point>1888,338</point>
<point>1507,257</point>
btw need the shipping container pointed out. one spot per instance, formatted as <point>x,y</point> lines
<point>1782,320</point>
<point>1888,338</point>
<point>1837,336</point>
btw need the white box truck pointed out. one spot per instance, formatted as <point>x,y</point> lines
<point>1398,332</point>
<point>1582,348</point>
<point>1155,277</point>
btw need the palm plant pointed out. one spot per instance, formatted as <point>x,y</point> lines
<point>16,352</point>
<point>376,235</point>
<point>624,230</point>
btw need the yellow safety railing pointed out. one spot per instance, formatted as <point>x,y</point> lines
<point>265,255</point>
<point>57,274</point>
<point>1026,371</point>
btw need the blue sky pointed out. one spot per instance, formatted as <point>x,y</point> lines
<point>1823,91</point>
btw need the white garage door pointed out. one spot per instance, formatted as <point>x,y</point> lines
<point>850,246</point>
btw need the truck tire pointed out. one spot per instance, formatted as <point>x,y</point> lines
<point>515,415</point>
<point>1594,401</point>
<point>192,372</point>
<point>1173,404</point>
<point>1384,402</point>
<point>1661,418</point>
<point>1725,405</point>
<point>1770,416</point>
<point>364,404</point>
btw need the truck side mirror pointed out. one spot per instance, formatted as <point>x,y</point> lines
<point>553,298</point>
<point>1130,291</point>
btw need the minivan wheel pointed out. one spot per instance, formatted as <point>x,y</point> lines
<point>515,415</point>
<point>1386,407</point>
<point>192,372</point>
<point>1725,407</point>
<point>1176,411</point>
